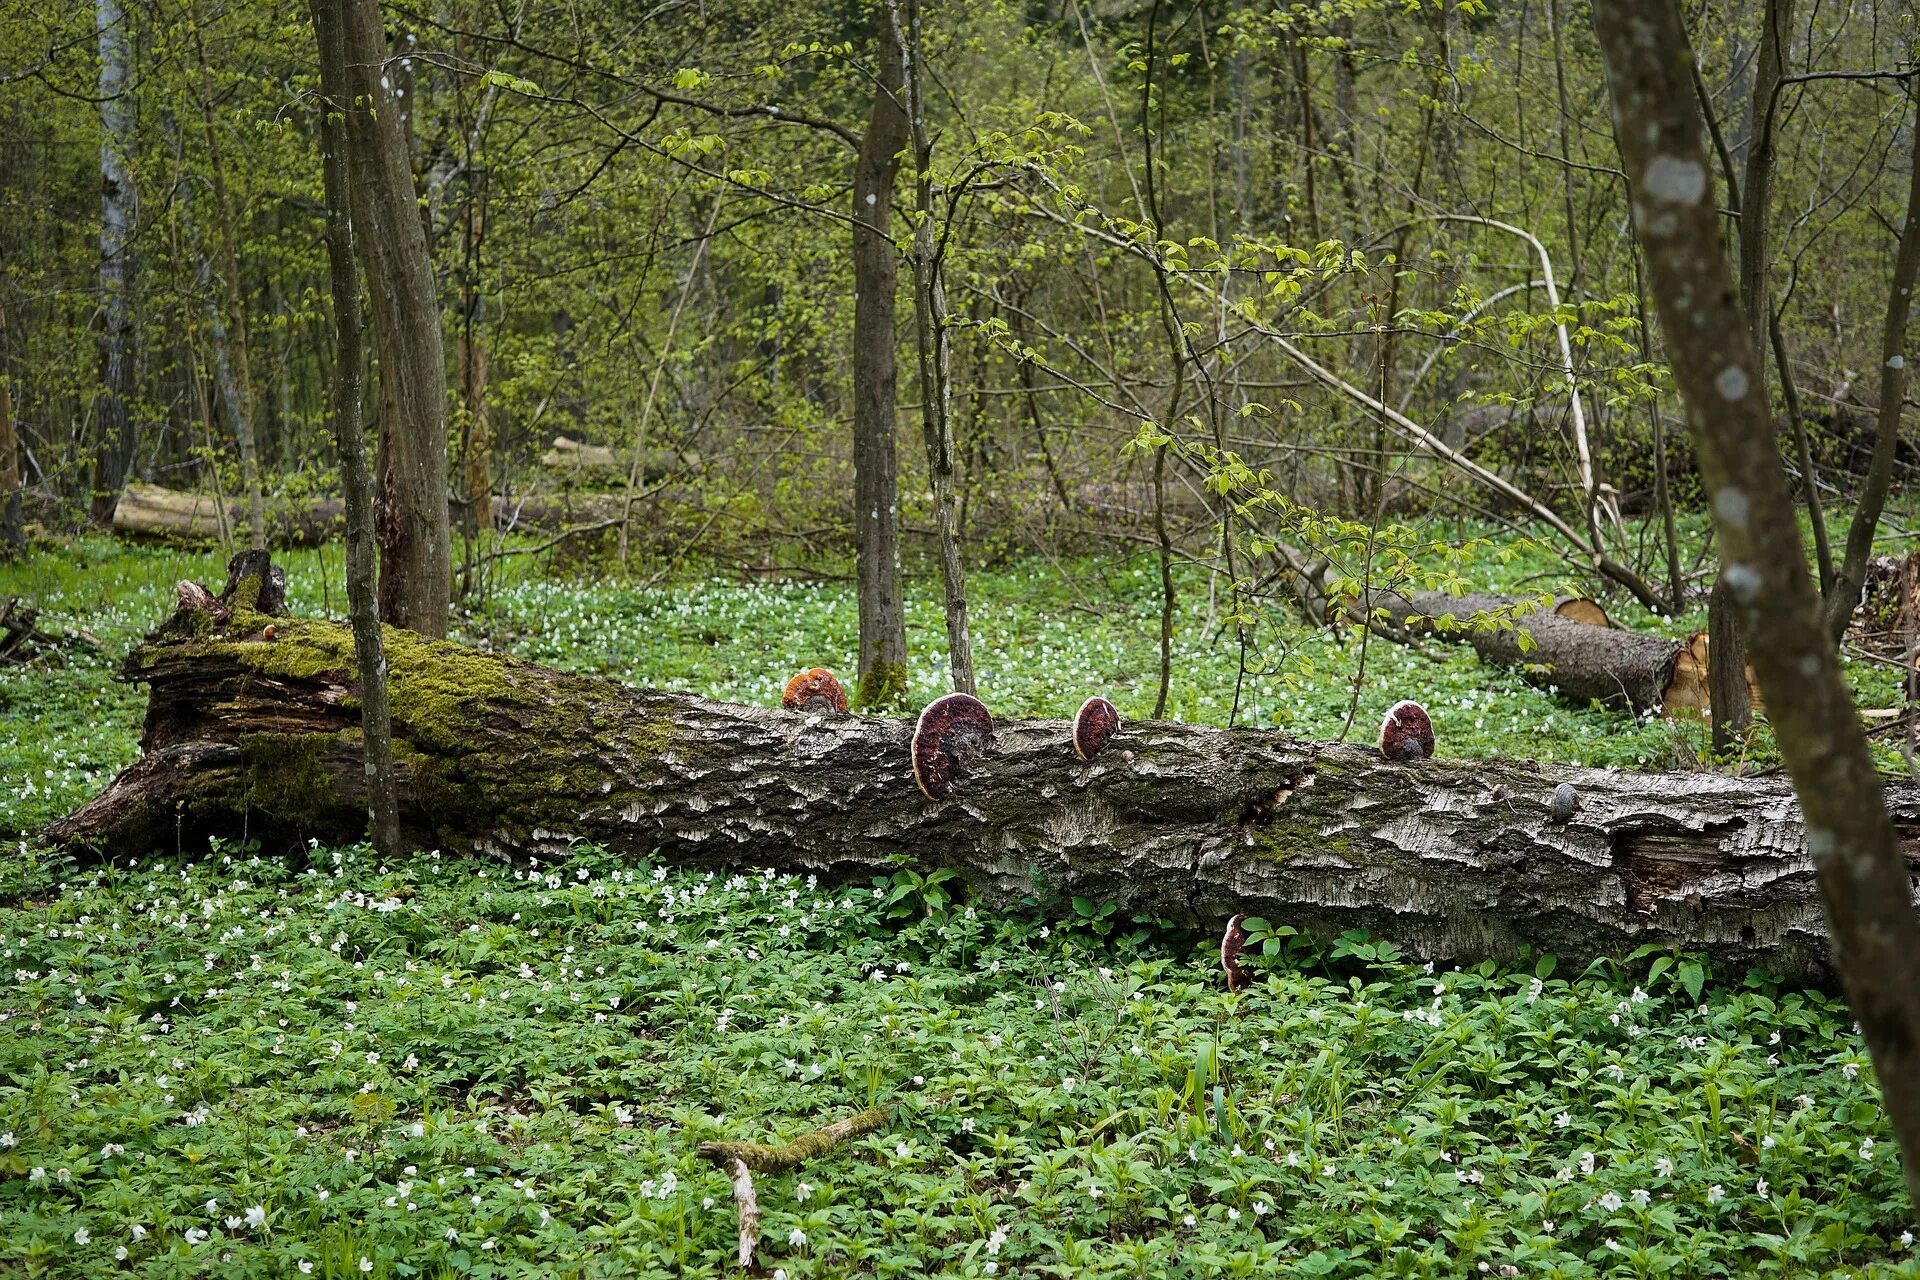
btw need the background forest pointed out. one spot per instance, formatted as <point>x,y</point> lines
<point>1144,216</point>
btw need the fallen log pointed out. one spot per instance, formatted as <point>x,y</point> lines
<point>1574,649</point>
<point>252,725</point>
<point>151,511</point>
<point>170,515</point>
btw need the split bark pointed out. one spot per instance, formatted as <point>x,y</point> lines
<point>1448,858</point>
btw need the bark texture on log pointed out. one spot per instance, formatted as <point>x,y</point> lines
<point>1586,662</point>
<point>1446,858</point>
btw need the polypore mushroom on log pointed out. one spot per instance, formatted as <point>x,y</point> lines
<point>951,732</point>
<point>815,689</point>
<point>1232,942</point>
<point>1406,734</point>
<point>1094,726</point>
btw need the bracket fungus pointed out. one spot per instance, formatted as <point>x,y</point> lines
<point>1406,733</point>
<point>815,689</point>
<point>1094,726</point>
<point>1231,942</point>
<point>951,732</point>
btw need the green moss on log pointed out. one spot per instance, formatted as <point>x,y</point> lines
<point>286,778</point>
<point>882,685</point>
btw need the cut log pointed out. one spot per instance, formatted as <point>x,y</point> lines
<point>1582,609</point>
<point>1576,650</point>
<point>256,731</point>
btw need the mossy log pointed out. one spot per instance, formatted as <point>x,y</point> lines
<point>255,730</point>
<point>1572,649</point>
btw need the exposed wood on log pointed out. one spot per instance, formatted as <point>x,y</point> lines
<point>1446,858</point>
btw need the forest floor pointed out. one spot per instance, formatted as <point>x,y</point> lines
<point>215,1064</point>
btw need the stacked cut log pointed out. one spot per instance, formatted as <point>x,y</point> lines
<point>255,727</point>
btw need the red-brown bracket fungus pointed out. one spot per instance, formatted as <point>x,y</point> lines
<point>1094,726</point>
<point>1406,733</point>
<point>952,731</point>
<point>814,689</point>
<point>1238,977</point>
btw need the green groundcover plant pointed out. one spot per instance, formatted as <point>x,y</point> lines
<point>234,1065</point>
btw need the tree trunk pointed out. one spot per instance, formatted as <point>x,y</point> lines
<point>113,402</point>
<point>416,553</point>
<point>12,534</point>
<point>935,345</point>
<point>1844,597</point>
<point>1863,854</point>
<point>378,779</point>
<point>876,497</point>
<point>1574,652</point>
<point>1726,675</point>
<point>229,314</point>
<point>1447,858</point>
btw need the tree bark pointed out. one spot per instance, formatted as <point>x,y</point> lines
<point>1862,851</point>
<point>1623,670</point>
<point>1447,858</point>
<point>876,468</point>
<point>376,719</point>
<point>416,552</point>
<point>113,402</point>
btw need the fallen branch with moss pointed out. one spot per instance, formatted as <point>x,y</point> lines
<point>741,1160</point>
<point>252,726</point>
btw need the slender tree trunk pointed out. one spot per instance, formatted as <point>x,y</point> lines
<point>12,535</point>
<point>113,402</point>
<point>251,526</point>
<point>1851,576</point>
<point>876,496</point>
<point>936,351</point>
<point>369,647</point>
<point>1864,877</point>
<point>416,560</point>
<point>1726,652</point>
<point>230,314</point>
